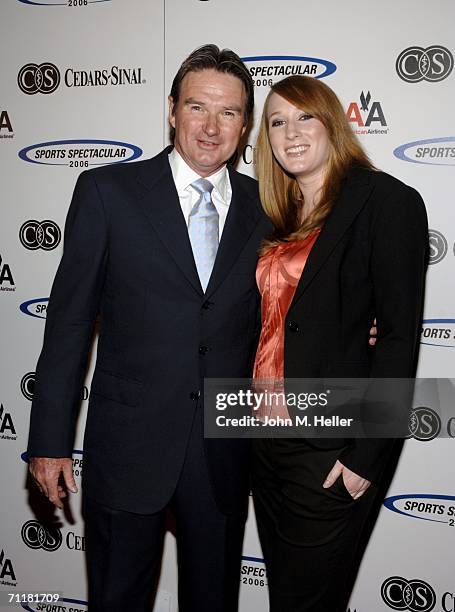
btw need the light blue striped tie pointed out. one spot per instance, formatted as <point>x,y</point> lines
<point>203,229</point>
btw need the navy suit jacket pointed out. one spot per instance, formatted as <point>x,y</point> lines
<point>128,261</point>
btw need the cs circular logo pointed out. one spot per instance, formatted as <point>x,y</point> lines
<point>412,595</point>
<point>28,385</point>
<point>43,78</point>
<point>44,235</point>
<point>36,536</point>
<point>438,246</point>
<point>416,64</point>
<point>424,424</point>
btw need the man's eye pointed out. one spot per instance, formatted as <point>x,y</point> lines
<point>195,107</point>
<point>229,114</point>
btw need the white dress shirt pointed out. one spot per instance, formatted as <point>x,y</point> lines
<point>183,176</point>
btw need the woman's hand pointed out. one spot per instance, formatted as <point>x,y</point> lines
<point>373,333</point>
<point>355,484</point>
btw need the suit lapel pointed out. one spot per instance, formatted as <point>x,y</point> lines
<point>241,220</point>
<point>353,197</point>
<point>162,207</point>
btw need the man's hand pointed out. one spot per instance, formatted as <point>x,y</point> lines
<point>373,333</point>
<point>355,484</point>
<point>46,473</point>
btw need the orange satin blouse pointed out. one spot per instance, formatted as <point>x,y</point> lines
<point>277,274</point>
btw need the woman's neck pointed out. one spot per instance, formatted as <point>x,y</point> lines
<point>310,188</point>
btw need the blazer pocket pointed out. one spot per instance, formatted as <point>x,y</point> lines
<point>339,487</point>
<point>115,387</point>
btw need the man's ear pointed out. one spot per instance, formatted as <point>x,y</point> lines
<point>171,118</point>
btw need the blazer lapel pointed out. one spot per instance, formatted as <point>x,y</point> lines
<point>241,220</point>
<point>353,197</point>
<point>161,205</point>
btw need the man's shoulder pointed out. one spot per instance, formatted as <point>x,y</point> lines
<point>246,182</point>
<point>125,171</point>
<point>248,189</point>
<point>243,178</point>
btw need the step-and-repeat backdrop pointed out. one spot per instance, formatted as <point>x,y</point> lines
<point>84,83</point>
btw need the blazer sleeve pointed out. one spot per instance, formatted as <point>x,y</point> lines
<point>398,266</point>
<point>71,315</point>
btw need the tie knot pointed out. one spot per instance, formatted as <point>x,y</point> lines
<point>202,186</point>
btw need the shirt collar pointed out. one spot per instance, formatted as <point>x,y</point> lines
<point>183,176</point>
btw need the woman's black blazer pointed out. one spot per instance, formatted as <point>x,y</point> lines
<point>369,261</point>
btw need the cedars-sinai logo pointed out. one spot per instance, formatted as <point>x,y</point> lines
<point>45,235</point>
<point>39,536</point>
<point>438,246</point>
<point>412,595</point>
<point>424,424</point>
<point>38,78</point>
<point>432,64</point>
<point>266,69</point>
<point>28,385</point>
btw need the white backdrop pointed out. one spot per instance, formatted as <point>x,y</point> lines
<point>390,64</point>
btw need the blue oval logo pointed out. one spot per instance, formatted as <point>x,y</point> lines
<point>35,308</point>
<point>80,153</point>
<point>59,3</point>
<point>46,602</point>
<point>434,151</point>
<point>433,508</point>
<point>438,332</point>
<point>270,68</point>
<point>34,3</point>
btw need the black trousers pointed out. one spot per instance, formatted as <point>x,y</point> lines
<point>123,549</point>
<point>311,537</point>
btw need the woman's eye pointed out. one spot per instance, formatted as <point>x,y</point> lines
<point>305,117</point>
<point>277,122</point>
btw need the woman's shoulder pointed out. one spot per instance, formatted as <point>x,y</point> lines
<point>388,200</point>
<point>384,187</point>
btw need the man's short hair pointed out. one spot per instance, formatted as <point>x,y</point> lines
<point>211,57</point>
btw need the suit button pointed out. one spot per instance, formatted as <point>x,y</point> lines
<point>195,395</point>
<point>207,304</point>
<point>293,326</point>
<point>203,350</point>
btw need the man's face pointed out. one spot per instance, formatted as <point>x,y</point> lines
<point>208,119</point>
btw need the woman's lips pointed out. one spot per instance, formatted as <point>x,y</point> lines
<point>297,150</point>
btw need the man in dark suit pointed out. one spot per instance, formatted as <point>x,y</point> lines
<point>167,261</point>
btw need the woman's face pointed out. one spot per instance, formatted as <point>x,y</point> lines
<point>299,141</point>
